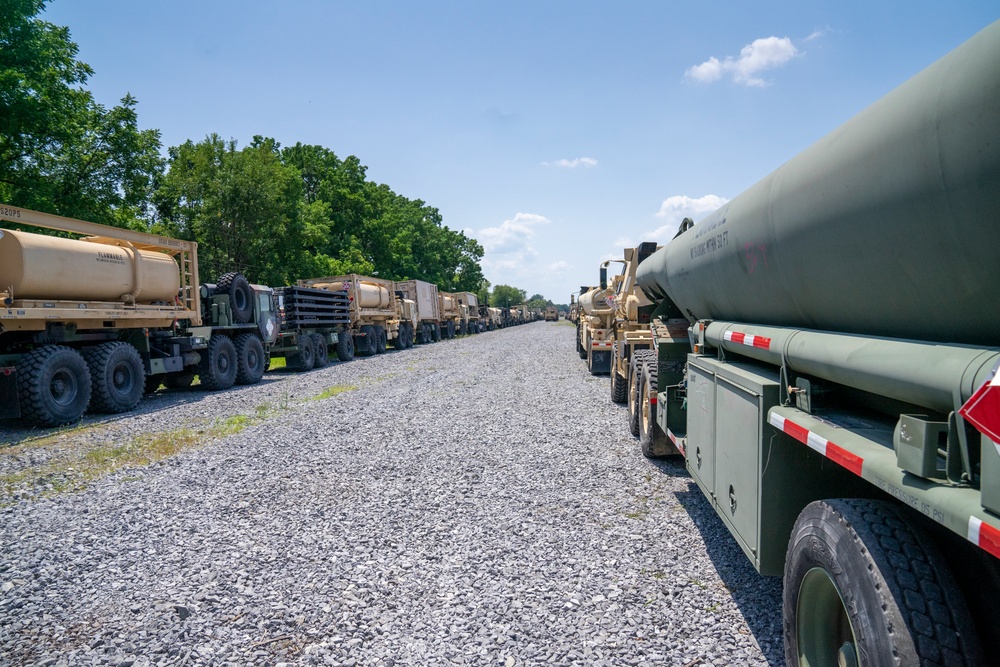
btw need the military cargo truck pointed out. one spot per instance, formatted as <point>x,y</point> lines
<point>551,314</point>
<point>473,323</point>
<point>428,306</point>
<point>313,322</point>
<point>452,323</point>
<point>378,314</point>
<point>825,356</point>
<point>92,322</point>
<point>629,325</point>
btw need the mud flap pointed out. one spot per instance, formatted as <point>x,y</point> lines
<point>9,407</point>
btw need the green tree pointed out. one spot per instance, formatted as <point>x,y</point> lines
<point>242,207</point>
<point>505,296</point>
<point>60,151</point>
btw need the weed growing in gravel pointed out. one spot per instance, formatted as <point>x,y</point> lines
<point>334,391</point>
<point>276,363</point>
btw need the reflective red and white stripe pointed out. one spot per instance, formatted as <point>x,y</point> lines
<point>597,344</point>
<point>985,536</point>
<point>747,339</point>
<point>678,442</point>
<point>832,451</point>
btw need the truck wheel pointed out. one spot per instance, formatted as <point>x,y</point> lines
<point>619,390</point>
<point>117,378</point>
<point>367,346</point>
<point>240,296</point>
<point>53,386</point>
<point>249,359</point>
<point>180,380</point>
<point>652,440</point>
<point>635,376</point>
<point>381,338</point>
<point>345,346</point>
<point>450,329</point>
<point>321,352</point>
<point>861,581</point>
<point>304,357</point>
<point>217,368</point>
<point>436,332</point>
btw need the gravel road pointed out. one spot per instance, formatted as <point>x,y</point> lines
<point>473,502</point>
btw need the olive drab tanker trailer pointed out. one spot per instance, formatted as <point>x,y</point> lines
<point>825,354</point>
<point>91,323</point>
<point>379,314</point>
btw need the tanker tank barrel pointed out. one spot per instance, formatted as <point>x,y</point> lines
<point>887,226</point>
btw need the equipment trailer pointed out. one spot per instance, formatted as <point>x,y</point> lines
<point>313,321</point>
<point>825,355</point>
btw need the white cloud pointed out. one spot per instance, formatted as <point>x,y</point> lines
<point>674,209</point>
<point>559,266</point>
<point>572,164</point>
<point>760,55</point>
<point>511,236</point>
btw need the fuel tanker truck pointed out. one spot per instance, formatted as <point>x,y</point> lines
<point>825,355</point>
<point>91,323</point>
<point>378,314</point>
<point>594,339</point>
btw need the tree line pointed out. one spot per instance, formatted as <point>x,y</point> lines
<point>275,213</point>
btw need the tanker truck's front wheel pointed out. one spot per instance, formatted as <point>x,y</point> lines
<point>864,585</point>
<point>53,385</point>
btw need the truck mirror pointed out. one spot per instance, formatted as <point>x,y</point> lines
<point>604,277</point>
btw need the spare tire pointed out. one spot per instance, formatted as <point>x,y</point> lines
<point>240,296</point>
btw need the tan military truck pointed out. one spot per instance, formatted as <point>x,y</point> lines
<point>91,323</point>
<point>551,314</point>
<point>594,340</point>
<point>474,322</point>
<point>425,297</point>
<point>452,322</point>
<point>378,314</point>
<point>630,325</point>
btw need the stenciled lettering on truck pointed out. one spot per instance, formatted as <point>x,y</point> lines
<point>110,257</point>
<point>8,212</point>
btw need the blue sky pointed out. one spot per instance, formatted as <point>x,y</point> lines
<point>554,132</point>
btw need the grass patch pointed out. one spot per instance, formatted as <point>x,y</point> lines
<point>335,390</point>
<point>276,363</point>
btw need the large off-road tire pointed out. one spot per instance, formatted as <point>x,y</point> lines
<point>53,385</point>
<point>345,345</point>
<point>180,380</point>
<point>217,368</point>
<point>240,296</point>
<point>863,585</point>
<point>321,352</point>
<point>436,332</point>
<point>304,357</point>
<point>117,378</point>
<point>652,440</point>
<point>369,342</point>
<point>633,383</point>
<point>619,389</point>
<point>381,339</point>
<point>250,359</point>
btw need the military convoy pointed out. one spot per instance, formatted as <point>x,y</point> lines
<point>823,354</point>
<point>93,323</point>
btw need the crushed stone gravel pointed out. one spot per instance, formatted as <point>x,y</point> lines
<point>472,502</point>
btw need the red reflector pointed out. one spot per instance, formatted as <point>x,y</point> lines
<point>983,409</point>
<point>652,399</point>
<point>8,371</point>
